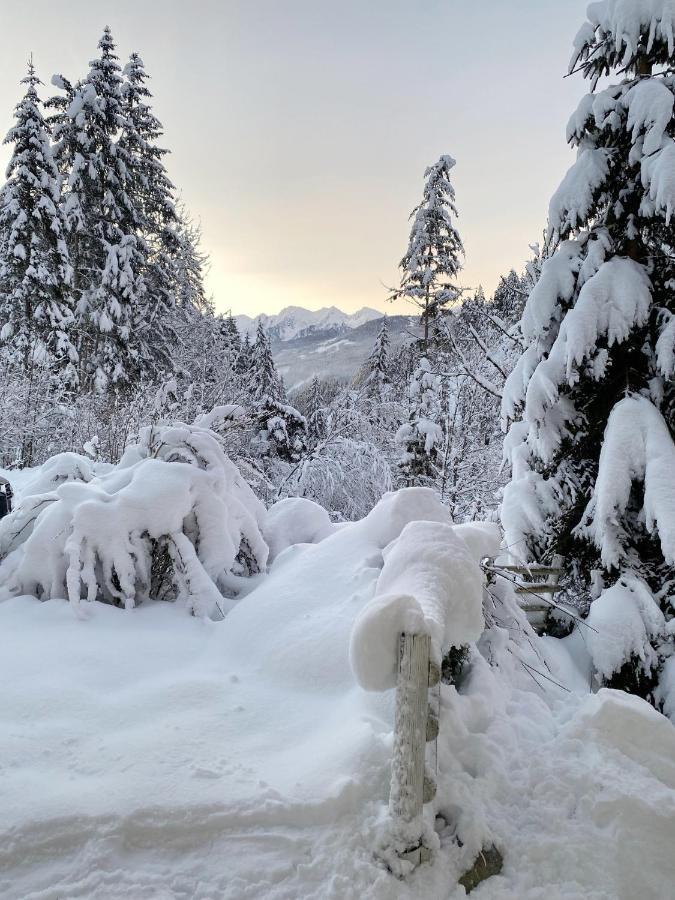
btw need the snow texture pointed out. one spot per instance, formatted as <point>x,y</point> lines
<point>295,521</point>
<point>572,203</point>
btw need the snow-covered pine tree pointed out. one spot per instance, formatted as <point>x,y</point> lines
<point>281,430</point>
<point>376,380</point>
<point>317,418</point>
<point>421,437</point>
<point>592,400</point>
<point>35,302</point>
<point>432,260</point>
<point>264,378</point>
<point>509,298</point>
<point>231,335</point>
<point>152,217</point>
<point>190,264</point>
<point>107,258</point>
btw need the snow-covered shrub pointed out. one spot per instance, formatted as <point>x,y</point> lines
<point>173,520</point>
<point>347,478</point>
<point>280,431</point>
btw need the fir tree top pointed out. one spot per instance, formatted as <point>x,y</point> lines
<point>432,259</point>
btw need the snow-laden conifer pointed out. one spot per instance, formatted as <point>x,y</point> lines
<point>36,313</point>
<point>153,216</point>
<point>264,377</point>
<point>421,437</point>
<point>317,418</point>
<point>376,373</point>
<point>433,258</point>
<point>106,253</point>
<point>597,372</point>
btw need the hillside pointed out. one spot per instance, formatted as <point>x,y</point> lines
<point>336,353</point>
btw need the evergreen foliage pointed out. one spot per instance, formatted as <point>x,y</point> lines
<point>36,310</point>
<point>432,260</point>
<point>598,365</point>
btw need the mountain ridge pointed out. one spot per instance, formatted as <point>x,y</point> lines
<point>297,322</point>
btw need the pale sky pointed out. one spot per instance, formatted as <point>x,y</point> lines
<point>300,129</point>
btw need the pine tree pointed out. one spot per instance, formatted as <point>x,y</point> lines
<point>244,359</point>
<point>264,377</point>
<point>593,396</point>
<point>432,260</point>
<point>189,265</point>
<point>377,379</point>
<point>421,438</point>
<point>317,413</point>
<point>108,258</point>
<point>153,217</point>
<point>231,334</point>
<point>509,298</point>
<point>35,302</point>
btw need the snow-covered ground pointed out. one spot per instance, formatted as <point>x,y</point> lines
<point>148,753</point>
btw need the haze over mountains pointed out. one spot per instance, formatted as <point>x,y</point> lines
<point>324,342</point>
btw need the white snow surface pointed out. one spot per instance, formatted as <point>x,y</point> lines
<point>295,520</point>
<point>572,202</point>
<point>151,754</point>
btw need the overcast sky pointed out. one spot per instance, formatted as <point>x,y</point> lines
<point>300,129</point>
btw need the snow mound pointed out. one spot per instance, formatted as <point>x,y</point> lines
<point>295,520</point>
<point>627,725</point>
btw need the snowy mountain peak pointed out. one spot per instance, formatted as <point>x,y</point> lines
<point>294,321</point>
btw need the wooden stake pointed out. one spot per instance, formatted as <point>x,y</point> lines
<point>410,728</point>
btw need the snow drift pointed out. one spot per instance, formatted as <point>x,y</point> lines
<point>159,755</point>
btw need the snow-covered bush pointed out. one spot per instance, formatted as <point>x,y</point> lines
<point>280,431</point>
<point>347,477</point>
<point>173,520</point>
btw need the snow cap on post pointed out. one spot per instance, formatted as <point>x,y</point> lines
<point>431,583</point>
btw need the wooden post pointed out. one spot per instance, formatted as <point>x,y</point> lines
<point>410,727</point>
<point>411,786</point>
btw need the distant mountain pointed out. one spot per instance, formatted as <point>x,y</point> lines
<point>337,355</point>
<point>296,322</point>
